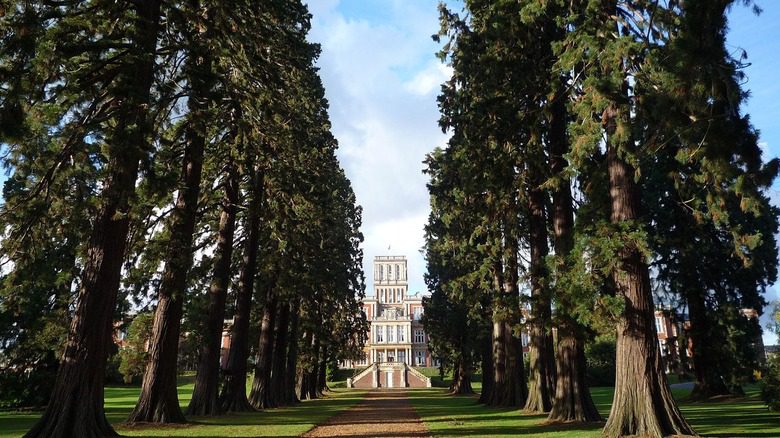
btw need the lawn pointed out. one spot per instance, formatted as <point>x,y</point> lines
<point>461,416</point>
<point>283,422</point>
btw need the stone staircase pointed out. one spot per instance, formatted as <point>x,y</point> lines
<point>389,375</point>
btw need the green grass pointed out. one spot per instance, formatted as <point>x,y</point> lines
<point>446,415</point>
<point>436,380</point>
<point>283,422</point>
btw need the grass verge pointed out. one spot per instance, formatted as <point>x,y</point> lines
<point>452,416</point>
<point>283,422</point>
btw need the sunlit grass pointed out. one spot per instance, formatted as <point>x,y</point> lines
<point>462,416</point>
<point>283,422</point>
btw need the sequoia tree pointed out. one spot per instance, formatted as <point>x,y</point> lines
<point>76,405</point>
<point>159,399</point>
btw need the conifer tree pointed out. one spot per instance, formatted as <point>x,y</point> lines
<point>159,399</point>
<point>108,102</point>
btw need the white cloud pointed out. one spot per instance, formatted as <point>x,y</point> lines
<point>381,79</point>
<point>430,79</point>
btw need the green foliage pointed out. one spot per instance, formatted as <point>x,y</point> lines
<point>600,358</point>
<point>134,355</point>
<point>770,383</point>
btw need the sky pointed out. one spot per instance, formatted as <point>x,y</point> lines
<point>381,78</point>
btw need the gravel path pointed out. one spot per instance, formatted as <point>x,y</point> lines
<point>382,413</point>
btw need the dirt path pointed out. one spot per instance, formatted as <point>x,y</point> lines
<point>382,413</point>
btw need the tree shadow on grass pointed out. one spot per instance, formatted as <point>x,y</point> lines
<point>458,416</point>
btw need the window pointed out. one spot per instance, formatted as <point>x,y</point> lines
<point>380,334</point>
<point>436,362</point>
<point>401,334</point>
<point>390,334</point>
<point>659,324</point>
<point>419,336</point>
<point>402,356</point>
<point>525,339</point>
<point>397,272</point>
<point>419,358</point>
<point>381,272</point>
<point>380,356</point>
<point>418,311</point>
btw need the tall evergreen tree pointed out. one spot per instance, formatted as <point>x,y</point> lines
<point>108,102</point>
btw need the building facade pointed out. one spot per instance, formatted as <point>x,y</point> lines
<point>670,326</point>
<point>396,340</point>
<point>396,331</point>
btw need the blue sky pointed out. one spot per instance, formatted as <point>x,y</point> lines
<point>759,36</point>
<point>381,77</point>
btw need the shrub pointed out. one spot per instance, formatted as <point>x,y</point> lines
<point>600,358</point>
<point>133,355</point>
<point>770,384</point>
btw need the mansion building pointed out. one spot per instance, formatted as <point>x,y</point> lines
<point>397,340</point>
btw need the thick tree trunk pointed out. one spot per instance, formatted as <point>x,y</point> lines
<point>233,397</point>
<point>312,391</point>
<point>499,343</point>
<point>259,395</point>
<point>709,382</point>
<point>303,373</point>
<point>643,403</point>
<point>322,372</point>
<point>541,377</point>
<point>462,383</point>
<point>572,400</point>
<point>289,395</point>
<point>75,408</point>
<point>279,364</point>
<point>487,373</point>
<point>205,395</point>
<point>159,399</point>
<point>509,378</point>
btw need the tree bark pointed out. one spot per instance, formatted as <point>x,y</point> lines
<point>572,400</point>
<point>541,377</point>
<point>259,396</point>
<point>280,356</point>
<point>205,395</point>
<point>233,397</point>
<point>487,373</point>
<point>288,395</point>
<point>461,384</point>
<point>643,403</point>
<point>312,390</point>
<point>709,382</point>
<point>509,387</point>
<point>75,408</point>
<point>159,399</point>
<point>322,372</point>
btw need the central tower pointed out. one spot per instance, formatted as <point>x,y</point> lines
<point>390,282</point>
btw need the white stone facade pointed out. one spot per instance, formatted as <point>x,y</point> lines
<point>396,332</point>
